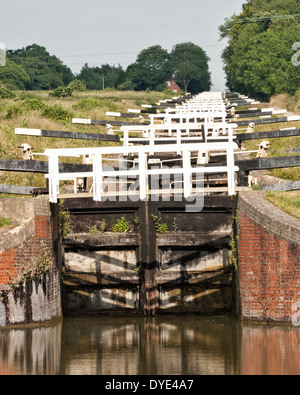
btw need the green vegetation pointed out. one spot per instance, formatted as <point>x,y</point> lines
<point>62,91</point>
<point>39,70</point>
<point>64,220</point>
<point>33,69</point>
<point>95,230</point>
<point>121,226</point>
<point>37,110</point>
<point>258,59</point>
<point>5,222</point>
<point>161,227</point>
<point>150,69</point>
<point>190,68</point>
<point>187,63</point>
<point>286,201</point>
<point>99,78</point>
<point>284,146</point>
<point>5,93</point>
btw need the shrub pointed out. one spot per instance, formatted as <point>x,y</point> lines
<point>6,93</point>
<point>14,110</point>
<point>126,86</point>
<point>62,91</point>
<point>90,103</point>
<point>77,86</point>
<point>56,113</point>
<point>87,104</point>
<point>34,103</point>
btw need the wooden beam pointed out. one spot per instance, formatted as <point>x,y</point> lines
<point>21,190</point>
<point>269,120</point>
<point>29,166</point>
<point>104,123</point>
<point>34,166</point>
<point>268,135</point>
<point>66,135</point>
<point>252,114</point>
<point>264,163</point>
<point>268,163</point>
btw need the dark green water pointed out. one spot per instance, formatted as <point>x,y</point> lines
<point>167,345</point>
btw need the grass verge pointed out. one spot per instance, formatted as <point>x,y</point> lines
<point>288,202</point>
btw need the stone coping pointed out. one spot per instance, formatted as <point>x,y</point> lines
<point>14,236</point>
<point>254,205</point>
<point>22,213</point>
<point>17,208</point>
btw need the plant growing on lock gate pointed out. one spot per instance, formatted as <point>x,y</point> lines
<point>161,227</point>
<point>94,230</point>
<point>121,226</point>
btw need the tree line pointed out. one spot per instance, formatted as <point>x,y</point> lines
<point>258,59</point>
<point>33,68</point>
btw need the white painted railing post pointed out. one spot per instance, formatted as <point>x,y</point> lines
<point>151,142</point>
<point>230,171</point>
<point>97,176</point>
<point>178,142</point>
<point>53,178</point>
<point>143,178</point>
<point>126,141</point>
<point>187,173</point>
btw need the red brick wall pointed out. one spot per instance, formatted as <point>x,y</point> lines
<point>7,263</point>
<point>269,267</point>
<point>36,299</point>
<point>15,259</point>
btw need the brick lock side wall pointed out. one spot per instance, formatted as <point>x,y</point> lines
<point>7,264</point>
<point>15,259</point>
<point>269,271</point>
<point>22,256</point>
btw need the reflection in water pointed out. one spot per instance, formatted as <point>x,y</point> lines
<point>187,345</point>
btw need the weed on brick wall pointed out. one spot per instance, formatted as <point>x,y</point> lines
<point>33,268</point>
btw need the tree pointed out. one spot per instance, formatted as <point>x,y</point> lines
<point>14,76</point>
<point>190,67</point>
<point>45,71</point>
<point>258,59</point>
<point>150,69</point>
<point>98,78</point>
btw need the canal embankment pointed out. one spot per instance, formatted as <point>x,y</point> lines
<point>269,260</point>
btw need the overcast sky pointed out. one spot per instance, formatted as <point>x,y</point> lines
<point>114,32</point>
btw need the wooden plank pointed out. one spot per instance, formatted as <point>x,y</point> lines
<point>269,120</point>
<point>80,203</point>
<point>30,166</point>
<point>33,166</point>
<point>252,115</point>
<point>268,163</point>
<point>268,134</point>
<point>264,163</point>
<point>105,122</point>
<point>21,190</point>
<point>66,135</point>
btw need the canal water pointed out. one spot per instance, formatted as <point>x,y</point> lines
<point>164,345</point>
